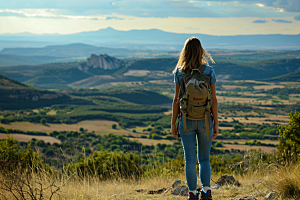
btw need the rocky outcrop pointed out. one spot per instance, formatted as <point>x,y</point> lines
<point>102,62</point>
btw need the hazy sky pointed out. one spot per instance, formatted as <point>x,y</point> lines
<point>212,17</point>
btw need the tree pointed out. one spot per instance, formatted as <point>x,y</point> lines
<point>43,121</point>
<point>289,140</point>
<point>114,126</point>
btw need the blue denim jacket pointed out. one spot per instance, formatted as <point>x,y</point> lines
<point>208,71</point>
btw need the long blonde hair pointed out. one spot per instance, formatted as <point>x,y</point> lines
<point>192,56</point>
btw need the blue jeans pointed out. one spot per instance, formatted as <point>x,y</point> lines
<point>196,131</point>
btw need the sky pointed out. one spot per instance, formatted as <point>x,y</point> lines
<point>214,17</point>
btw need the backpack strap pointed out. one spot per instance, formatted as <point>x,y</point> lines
<point>199,69</point>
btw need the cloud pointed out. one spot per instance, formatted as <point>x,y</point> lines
<point>297,17</point>
<point>116,18</point>
<point>260,21</point>
<point>44,13</point>
<point>159,8</point>
<point>281,21</point>
<point>279,5</point>
<point>155,8</point>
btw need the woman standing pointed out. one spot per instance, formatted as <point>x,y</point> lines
<point>192,57</point>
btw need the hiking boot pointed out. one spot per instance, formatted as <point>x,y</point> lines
<point>192,196</point>
<point>206,196</point>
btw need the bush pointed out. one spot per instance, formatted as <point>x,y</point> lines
<point>154,137</point>
<point>43,121</point>
<point>4,121</point>
<point>170,137</point>
<point>61,137</point>
<point>219,144</point>
<point>114,126</point>
<point>107,165</point>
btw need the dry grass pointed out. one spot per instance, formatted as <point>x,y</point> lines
<point>279,119</point>
<point>136,73</point>
<point>267,87</point>
<point>284,181</point>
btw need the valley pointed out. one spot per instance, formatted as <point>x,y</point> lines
<point>124,105</point>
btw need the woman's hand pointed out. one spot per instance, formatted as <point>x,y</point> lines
<point>216,131</point>
<point>174,131</point>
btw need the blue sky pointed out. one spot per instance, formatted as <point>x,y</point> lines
<point>213,17</point>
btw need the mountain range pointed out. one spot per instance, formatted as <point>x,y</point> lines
<point>153,39</point>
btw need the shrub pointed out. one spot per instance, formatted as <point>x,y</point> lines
<point>170,137</point>
<point>105,165</point>
<point>289,141</point>
<point>219,144</point>
<point>43,121</point>
<point>114,126</point>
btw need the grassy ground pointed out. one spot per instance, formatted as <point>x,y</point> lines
<point>256,183</point>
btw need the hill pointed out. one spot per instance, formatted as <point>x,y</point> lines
<point>65,75</point>
<point>75,50</point>
<point>16,95</point>
<point>52,78</point>
<point>11,60</point>
<point>290,77</point>
<point>256,70</point>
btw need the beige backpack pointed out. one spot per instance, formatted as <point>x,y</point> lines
<point>195,97</point>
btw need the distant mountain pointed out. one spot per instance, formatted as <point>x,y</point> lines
<point>153,39</point>
<point>76,50</point>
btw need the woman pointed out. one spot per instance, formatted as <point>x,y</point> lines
<point>191,57</point>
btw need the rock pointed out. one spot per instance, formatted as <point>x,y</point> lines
<point>176,191</point>
<point>184,192</point>
<point>216,186</point>
<point>176,183</point>
<point>246,198</point>
<point>227,179</point>
<point>102,62</point>
<point>180,191</point>
<point>270,196</point>
<point>157,191</point>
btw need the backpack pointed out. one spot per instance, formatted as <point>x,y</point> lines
<point>195,97</point>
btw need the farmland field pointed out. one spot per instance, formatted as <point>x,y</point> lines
<point>247,148</point>
<point>100,127</point>
<point>28,138</point>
